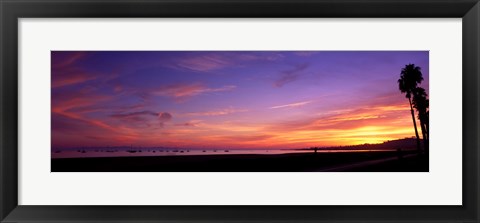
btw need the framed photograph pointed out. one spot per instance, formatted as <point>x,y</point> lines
<point>232,111</point>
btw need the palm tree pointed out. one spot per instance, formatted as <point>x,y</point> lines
<point>420,103</point>
<point>410,77</point>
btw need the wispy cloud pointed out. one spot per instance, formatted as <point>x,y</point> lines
<point>216,61</point>
<point>65,59</point>
<point>134,114</point>
<point>292,105</point>
<point>305,53</point>
<point>226,111</point>
<point>349,119</point>
<point>141,117</point>
<point>188,90</point>
<point>260,56</point>
<point>191,123</point>
<point>249,138</point>
<point>65,70</point>
<point>64,116</point>
<point>290,75</point>
<point>204,63</point>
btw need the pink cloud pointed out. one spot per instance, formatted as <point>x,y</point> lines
<point>65,70</point>
<point>72,106</point>
<point>204,63</point>
<point>143,118</point>
<point>192,123</point>
<point>226,111</point>
<point>189,90</point>
<point>250,138</point>
<point>216,61</point>
<point>67,77</point>
<point>66,59</point>
<point>344,119</point>
<point>305,53</point>
<point>292,105</point>
<point>86,131</point>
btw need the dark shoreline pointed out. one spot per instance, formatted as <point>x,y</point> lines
<point>293,162</point>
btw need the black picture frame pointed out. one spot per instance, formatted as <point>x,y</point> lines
<point>12,10</point>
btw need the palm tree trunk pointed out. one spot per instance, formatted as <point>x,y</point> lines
<point>424,135</point>
<point>426,127</point>
<point>414,124</point>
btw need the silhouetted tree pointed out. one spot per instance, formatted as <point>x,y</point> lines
<point>420,103</point>
<point>410,77</point>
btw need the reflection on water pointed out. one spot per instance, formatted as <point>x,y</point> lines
<point>117,152</point>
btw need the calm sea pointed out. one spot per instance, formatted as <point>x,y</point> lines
<point>116,152</point>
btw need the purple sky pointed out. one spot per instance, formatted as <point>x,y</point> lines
<point>235,99</point>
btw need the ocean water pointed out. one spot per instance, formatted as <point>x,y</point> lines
<point>120,152</point>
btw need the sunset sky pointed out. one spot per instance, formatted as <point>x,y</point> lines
<point>230,99</point>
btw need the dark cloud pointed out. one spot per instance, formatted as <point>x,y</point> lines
<point>142,117</point>
<point>193,123</point>
<point>164,117</point>
<point>134,114</point>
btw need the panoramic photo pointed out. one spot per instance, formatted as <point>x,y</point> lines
<point>239,111</point>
